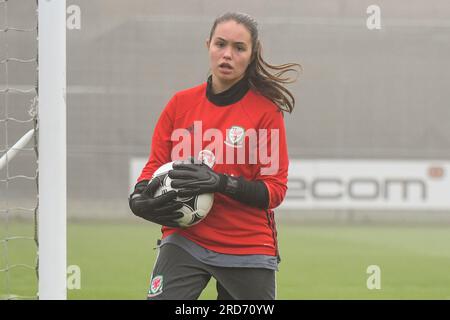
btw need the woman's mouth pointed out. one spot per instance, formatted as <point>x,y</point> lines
<point>225,67</point>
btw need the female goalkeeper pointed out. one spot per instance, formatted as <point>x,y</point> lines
<point>245,165</point>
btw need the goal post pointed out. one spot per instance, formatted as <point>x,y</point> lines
<point>52,149</point>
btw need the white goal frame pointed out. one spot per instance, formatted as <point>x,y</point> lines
<point>52,150</point>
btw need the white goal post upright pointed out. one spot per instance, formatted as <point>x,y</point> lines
<point>52,149</point>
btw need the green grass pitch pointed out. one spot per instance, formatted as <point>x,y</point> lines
<point>318,262</point>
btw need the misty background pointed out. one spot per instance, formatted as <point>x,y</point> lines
<point>363,94</point>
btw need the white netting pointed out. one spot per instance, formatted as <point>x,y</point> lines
<point>18,149</point>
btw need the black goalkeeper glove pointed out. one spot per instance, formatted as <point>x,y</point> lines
<point>161,209</point>
<point>197,178</point>
<point>194,178</point>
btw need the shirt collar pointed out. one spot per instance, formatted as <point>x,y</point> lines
<point>229,96</point>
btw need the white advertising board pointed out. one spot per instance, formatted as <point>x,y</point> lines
<point>368,184</point>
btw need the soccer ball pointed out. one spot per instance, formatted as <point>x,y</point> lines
<point>194,209</point>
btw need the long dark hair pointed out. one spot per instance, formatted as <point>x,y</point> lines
<point>259,75</point>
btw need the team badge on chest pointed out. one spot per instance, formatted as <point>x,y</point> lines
<point>235,137</point>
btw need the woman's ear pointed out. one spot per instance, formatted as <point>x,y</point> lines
<point>207,43</point>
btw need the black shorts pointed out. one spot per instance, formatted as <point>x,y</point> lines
<point>179,276</point>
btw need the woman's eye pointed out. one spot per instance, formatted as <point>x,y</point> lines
<point>241,49</point>
<point>220,44</point>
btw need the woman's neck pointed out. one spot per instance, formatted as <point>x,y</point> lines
<point>221,86</point>
<point>230,95</point>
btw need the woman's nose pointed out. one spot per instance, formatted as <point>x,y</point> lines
<point>227,53</point>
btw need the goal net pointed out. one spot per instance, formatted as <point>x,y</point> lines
<point>32,96</point>
<point>18,151</point>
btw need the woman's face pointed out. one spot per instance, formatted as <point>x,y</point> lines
<point>230,52</point>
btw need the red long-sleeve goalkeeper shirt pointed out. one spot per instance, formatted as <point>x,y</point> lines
<point>246,138</point>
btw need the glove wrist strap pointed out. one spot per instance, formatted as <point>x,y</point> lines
<point>229,185</point>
